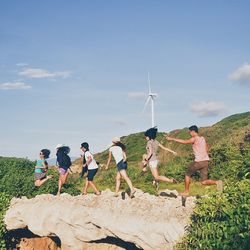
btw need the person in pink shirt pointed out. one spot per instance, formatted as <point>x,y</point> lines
<point>200,149</point>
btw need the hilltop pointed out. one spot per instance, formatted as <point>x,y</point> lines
<point>229,130</point>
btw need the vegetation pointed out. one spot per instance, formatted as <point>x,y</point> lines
<point>17,179</point>
<point>222,221</point>
<point>218,222</point>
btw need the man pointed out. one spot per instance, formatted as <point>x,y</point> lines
<point>200,163</point>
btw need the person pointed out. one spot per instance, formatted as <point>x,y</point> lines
<point>64,163</point>
<point>152,158</point>
<point>84,172</point>
<point>200,149</point>
<point>118,150</point>
<point>92,169</point>
<point>41,168</point>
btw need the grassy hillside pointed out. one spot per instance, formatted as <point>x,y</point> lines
<point>223,219</point>
<point>230,130</point>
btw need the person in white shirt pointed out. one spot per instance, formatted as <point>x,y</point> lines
<point>92,169</point>
<point>119,154</point>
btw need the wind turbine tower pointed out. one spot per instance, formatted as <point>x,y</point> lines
<point>151,98</point>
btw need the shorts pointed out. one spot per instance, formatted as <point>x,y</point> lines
<point>91,174</point>
<point>153,164</point>
<point>201,166</point>
<point>40,176</point>
<point>122,165</point>
<point>63,171</point>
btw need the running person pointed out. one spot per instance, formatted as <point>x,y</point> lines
<point>64,163</point>
<point>200,149</point>
<point>152,157</point>
<point>91,167</point>
<point>41,168</point>
<point>119,154</point>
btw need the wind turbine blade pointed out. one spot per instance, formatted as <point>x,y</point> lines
<point>149,84</point>
<point>146,104</point>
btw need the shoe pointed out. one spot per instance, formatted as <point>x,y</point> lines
<point>123,195</point>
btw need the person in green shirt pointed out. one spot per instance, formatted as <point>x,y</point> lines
<point>41,168</point>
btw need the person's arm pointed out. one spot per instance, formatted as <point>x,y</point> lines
<point>188,141</point>
<point>149,154</point>
<point>167,149</point>
<point>124,156</point>
<point>207,147</point>
<point>89,160</point>
<point>45,166</point>
<point>109,159</point>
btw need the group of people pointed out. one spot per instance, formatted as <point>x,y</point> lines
<point>118,151</point>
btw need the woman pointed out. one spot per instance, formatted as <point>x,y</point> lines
<point>119,154</point>
<point>64,163</point>
<point>41,168</point>
<point>91,168</point>
<point>152,158</point>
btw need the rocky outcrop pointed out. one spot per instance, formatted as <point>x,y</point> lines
<point>148,221</point>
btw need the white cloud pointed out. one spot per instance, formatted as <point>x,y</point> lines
<point>42,73</point>
<point>241,75</point>
<point>14,85</point>
<point>137,94</point>
<point>22,64</point>
<point>208,108</point>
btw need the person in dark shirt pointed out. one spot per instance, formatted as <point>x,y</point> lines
<point>64,163</point>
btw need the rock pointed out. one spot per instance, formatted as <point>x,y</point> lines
<point>148,221</point>
<point>38,244</point>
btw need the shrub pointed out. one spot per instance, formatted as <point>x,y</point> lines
<point>4,204</point>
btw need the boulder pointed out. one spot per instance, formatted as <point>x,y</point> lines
<point>148,221</point>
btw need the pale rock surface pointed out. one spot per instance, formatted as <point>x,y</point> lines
<point>148,221</point>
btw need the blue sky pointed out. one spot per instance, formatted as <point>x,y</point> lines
<point>74,71</point>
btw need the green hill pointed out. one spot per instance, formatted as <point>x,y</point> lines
<point>223,219</point>
<point>229,130</point>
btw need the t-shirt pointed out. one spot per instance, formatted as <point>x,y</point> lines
<point>152,145</point>
<point>92,164</point>
<point>40,163</point>
<point>63,160</point>
<point>117,153</point>
<point>200,149</point>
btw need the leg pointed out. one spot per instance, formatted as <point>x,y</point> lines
<point>206,181</point>
<point>123,173</point>
<point>118,183</point>
<point>59,186</point>
<point>158,177</point>
<point>86,187</point>
<point>62,180</point>
<point>39,183</point>
<point>91,183</point>
<point>191,169</point>
<point>187,185</point>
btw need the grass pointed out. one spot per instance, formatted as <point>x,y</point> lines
<point>105,179</point>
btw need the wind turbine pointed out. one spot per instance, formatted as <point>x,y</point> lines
<point>151,97</point>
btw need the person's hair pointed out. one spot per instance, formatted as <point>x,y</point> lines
<point>151,133</point>
<point>46,153</point>
<point>121,145</point>
<point>64,149</point>
<point>193,128</point>
<point>85,145</point>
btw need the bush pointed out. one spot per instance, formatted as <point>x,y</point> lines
<point>221,221</point>
<point>4,204</point>
<point>17,179</point>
